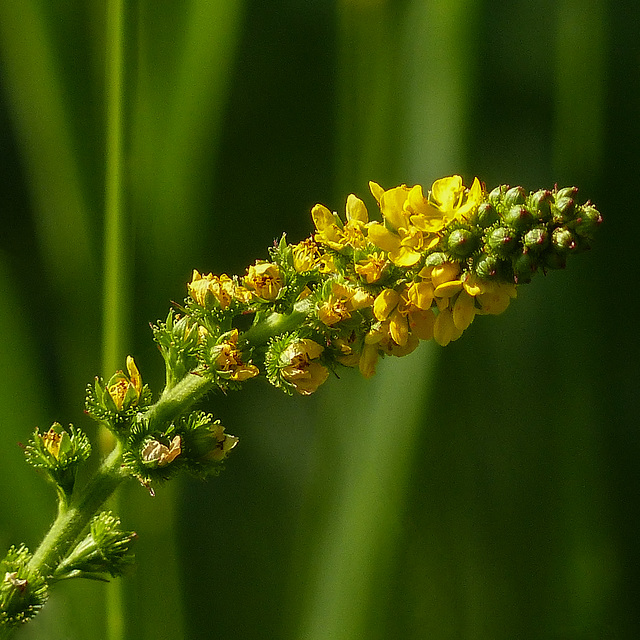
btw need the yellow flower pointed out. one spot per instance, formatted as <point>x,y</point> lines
<point>342,301</point>
<point>298,368</point>
<point>372,267</point>
<point>460,300</point>
<point>305,255</point>
<point>229,363</point>
<point>403,241</point>
<point>125,390</point>
<point>332,233</point>
<point>265,279</point>
<point>204,288</point>
<point>450,197</point>
<point>407,312</point>
<point>413,221</point>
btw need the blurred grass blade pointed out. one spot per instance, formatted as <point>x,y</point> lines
<point>182,85</point>
<point>405,92</point>
<point>376,428</point>
<point>580,89</point>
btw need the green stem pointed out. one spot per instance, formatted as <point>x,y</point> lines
<point>276,324</point>
<point>71,522</point>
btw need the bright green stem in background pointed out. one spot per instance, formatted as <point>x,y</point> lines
<point>115,245</point>
<point>115,299</point>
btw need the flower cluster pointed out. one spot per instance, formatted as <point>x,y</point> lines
<point>356,290</point>
<point>359,289</point>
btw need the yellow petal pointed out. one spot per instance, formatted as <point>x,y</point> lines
<point>385,302</point>
<point>383,238</point>
<point>392,206</point>
<point>463,310</point>
<point>356,209</point>
<point>422,323</point>
<point>404,257</point>
<point>376,190</point>
<point>368,360</point>
<point>445,192</point>
<point>399,328</point>
<point>447,289</point>
<point>322,217</point>
<point>443,329</point>
<point>420,294</point>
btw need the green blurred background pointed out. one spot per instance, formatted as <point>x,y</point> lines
<point>482,491</point>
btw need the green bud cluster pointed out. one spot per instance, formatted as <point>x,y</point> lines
<point>519,233</point>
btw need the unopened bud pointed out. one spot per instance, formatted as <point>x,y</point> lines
<point>462,243</point>
<point>502,241</point>
<point>515,196</point>
<point>519,218</point>
<point>540,203</point>
<point>563,239</point>
<point>536,239</point>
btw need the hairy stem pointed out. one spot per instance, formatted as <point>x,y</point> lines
<point>71,522</point>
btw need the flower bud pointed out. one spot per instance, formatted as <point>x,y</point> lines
<point>567,192</point>
<point>496,196</point>
<point>461,243</point>
<point>514,196</point>
<point>486,267</point>
<point>486,215</point>
<point>502,241</point>
<point>588,219</point>
<point>436,259</point>
<point>523,268</point>
<point>540,204</point>
<point>536,239</point>
<point>519,218</point>
<point>565,207</point>
<point>563,239</point>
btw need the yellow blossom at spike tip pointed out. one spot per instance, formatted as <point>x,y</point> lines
<point>342,302</point>
<point>404,242</point>
<point>125,390</point>
<point>229,363</point>
<point>265,279</point>
<point>335,234</point>
<point>299,369</point>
